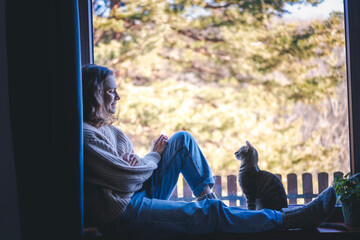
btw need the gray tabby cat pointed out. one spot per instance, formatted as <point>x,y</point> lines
<point>262,189</point>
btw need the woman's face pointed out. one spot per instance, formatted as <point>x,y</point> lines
<point>110,95</point>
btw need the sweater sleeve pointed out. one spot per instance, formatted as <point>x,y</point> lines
<point>105,166</point>
<point>151,156</point>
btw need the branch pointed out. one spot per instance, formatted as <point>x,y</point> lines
<point>192,65</point>
<point>218,6</point>
<point>197,37</point>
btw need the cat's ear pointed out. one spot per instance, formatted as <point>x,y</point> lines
<point>250,147</point>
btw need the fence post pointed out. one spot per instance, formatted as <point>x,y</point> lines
<point>218,187</point>
<point>338,174</point>
<point>307,186</point>
<point>292,187</point>
<point>323,179</point>
<point>232,189</point>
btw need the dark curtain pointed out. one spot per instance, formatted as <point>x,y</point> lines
<point>44,85</point>
<point>9,215</point>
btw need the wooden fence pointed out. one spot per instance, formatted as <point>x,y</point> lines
<point>235,200</point>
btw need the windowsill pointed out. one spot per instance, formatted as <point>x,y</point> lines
<point>319,233</point>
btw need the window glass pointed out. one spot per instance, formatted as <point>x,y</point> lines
<point>270,72</point>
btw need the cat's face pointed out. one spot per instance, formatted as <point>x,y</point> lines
<point>245,152</point>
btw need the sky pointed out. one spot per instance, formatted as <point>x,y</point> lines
<point>297,11</point>
<point>323,10</point>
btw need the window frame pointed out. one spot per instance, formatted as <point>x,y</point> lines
<point>86,31</point>
<point>352,38</point>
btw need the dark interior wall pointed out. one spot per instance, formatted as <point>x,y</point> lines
<point>43,68</point>
<point>9,216</point>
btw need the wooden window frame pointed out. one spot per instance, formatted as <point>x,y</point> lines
<point>86,31</point>
<point>352,34</point>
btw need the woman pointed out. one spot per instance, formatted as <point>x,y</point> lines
<point>126,195</point>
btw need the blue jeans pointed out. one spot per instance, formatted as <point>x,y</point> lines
<point>151,215</point>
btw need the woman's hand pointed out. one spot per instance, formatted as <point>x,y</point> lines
<point>159,144</point>
<point>131,158</point>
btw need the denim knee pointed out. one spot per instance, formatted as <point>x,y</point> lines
<point>182,137</point>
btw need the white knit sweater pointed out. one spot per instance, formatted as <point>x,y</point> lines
<point>110,181</point>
